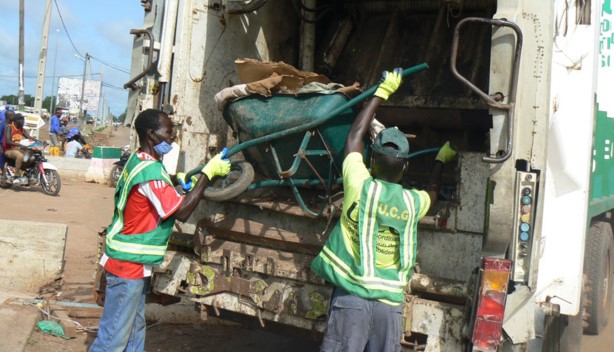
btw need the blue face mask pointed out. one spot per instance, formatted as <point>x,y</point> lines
<point>163,148</point>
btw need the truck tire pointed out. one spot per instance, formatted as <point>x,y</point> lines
<point>598,270</point>
<point>563,333</point>
<point>236,182</point>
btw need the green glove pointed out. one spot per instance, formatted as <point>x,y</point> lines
<point>446,153</point>
<point>218,166</point>
<point>390,83</point>
<point>189,185</point>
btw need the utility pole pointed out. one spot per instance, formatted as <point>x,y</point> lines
<point>99,116</point>
<point>55,59</point>
<point>81,117</point>
<point>102,115</point>
<point>21,94</point>
<point>42,62</point>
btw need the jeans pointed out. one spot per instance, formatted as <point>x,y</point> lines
<point>122,324</point>
<point>356,324</point>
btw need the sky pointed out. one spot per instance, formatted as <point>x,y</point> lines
<point>100,28</point>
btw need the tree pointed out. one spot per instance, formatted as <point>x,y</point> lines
<point>29,100</point>
<point>121,118</point>
<point>10,99</point>
<point>14,100</point>
<point>47,103</point>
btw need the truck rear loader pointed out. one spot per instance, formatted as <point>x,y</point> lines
<point>517,254</point>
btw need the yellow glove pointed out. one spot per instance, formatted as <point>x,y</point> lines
<point>390,83</point>
<point>187,186</point>
<point>218,166</point>
<point>446,153</point>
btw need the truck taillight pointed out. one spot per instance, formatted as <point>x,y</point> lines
<point>491,304</point>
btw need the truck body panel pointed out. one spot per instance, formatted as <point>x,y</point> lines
<point>522,93</point>
<point>568,172</point>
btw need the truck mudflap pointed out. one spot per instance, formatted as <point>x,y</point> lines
<point>427,324</point>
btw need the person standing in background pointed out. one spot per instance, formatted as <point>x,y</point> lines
<point>54,131</point>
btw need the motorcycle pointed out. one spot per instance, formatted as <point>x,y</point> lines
<point>118,166</point>
<point>37,171</point>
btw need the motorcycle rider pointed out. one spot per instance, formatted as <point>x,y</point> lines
<point>13,135</point>
<point>9,115</point>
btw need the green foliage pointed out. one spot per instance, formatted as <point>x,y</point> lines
<point>121,118</point>
<point>47,103</point>
<point>14,99</point>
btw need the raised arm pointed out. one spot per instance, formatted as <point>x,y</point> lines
<point>390,83</point>
<point>360,126</point>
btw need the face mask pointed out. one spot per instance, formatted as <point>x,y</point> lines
<point>163,148</point>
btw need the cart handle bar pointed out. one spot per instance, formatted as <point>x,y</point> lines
<point>350,103</point>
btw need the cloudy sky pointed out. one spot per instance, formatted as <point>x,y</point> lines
<point>99,27</point>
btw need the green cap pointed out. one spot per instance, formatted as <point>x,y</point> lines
<point>391,142</point>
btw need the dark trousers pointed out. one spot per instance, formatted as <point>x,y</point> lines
<point>356,324</point>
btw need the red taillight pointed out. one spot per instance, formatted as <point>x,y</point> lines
<point>491,303</point>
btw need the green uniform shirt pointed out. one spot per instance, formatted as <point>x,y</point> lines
<point>371,251</point>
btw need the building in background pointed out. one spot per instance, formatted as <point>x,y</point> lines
<point>69,95</point>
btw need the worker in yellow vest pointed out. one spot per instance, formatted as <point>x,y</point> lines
<point>370,254</point>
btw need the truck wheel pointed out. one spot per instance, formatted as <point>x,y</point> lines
<point>236,182</point>
<point>564,333</point>
<point>598,270</point>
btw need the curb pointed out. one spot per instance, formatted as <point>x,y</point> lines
<point>78,168</point>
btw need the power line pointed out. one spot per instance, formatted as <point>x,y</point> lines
<point>50,76</point>
<point>110,65</point>
<point>65,29</point>
<point>104,84</point>
<point>104,62</point>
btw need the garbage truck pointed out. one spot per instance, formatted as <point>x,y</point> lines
<point>517,253</point>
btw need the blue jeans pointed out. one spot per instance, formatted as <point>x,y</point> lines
<point>356,324</point>
<point>122,324</point>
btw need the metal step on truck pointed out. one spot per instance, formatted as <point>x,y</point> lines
<point>517,254</point>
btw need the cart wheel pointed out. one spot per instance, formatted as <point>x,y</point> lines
<point>236,182</point>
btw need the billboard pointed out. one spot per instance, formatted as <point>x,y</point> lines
<point>69,95</point>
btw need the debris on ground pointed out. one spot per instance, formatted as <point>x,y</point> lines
<point>53,328</point>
